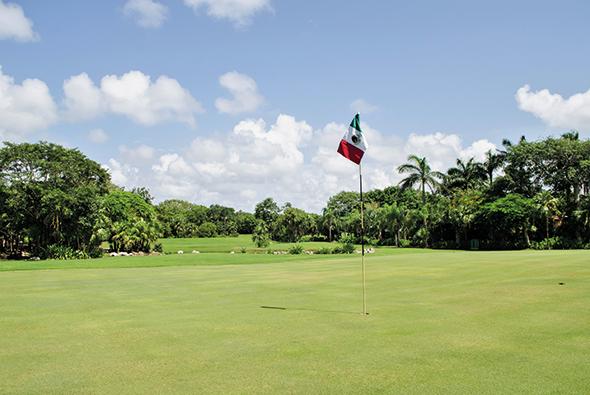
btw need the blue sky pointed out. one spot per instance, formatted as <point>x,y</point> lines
<point>436,78</point>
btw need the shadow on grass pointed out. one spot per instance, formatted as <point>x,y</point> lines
<point>308,309</point>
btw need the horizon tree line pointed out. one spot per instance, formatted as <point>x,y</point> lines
<point>55,202</point>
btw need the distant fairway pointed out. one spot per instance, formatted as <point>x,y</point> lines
<point>227,244</point>
<point>440,322</point>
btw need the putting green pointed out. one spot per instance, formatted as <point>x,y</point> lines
<point>440,322</point>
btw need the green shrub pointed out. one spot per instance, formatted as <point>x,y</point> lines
<point>324,251</point>
<point>347,238</point>
<point>55,251</point>
<point>347,248</point>
<point>207,229</point>
<point>404,243</point>
<point>316,237</point>
<point>243,250</point>
<point>296,249</point>
<point>158,247</point>
<point>261,237</point>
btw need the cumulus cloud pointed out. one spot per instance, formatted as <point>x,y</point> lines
<point>14,24</point>
<point>572,112</point>
<point>83,100</point>
<point>147,13</point>
<point>443,149</point>
<point>24,107</point>
<point>363,106</point>
<point>244,91</point>
<point>240,12</point>
<point>290,161</point>
<point>98,136</point>
<point>122,174</point>
<point>137,154</point>
<point>133,95</point>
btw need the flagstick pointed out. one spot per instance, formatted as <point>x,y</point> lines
<point>363,242</point>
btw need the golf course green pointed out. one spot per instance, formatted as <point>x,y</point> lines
<point>439,322</point>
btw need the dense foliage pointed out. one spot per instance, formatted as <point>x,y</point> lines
<point>49,195</point>
<point>55,202</point>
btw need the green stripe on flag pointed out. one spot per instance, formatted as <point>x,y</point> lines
<point>356,123</point>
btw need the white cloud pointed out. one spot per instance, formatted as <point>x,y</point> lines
<point>83,100</point>
<point>98,136</point>
<point>553,109</point>
<point>363,106</point>
<point>173,164</point>
<point>245,94</point>
<point>14,24</point>
<point>147,13</point>
<point>240,12</point>
<point>121,174</point>
<point>290,161</point>
<point>24,108</point>
<point>478,150</point>
<point>133,95</point>
<point>442,149</point>
<point>140,153</point>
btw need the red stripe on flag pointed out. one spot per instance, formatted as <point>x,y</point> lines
<point>350,152</point>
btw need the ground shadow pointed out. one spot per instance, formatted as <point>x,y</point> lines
<point>308,309</point>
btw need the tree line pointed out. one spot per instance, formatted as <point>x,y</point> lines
<point>56,202</point>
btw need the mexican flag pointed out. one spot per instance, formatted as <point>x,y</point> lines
<point>354,144</point>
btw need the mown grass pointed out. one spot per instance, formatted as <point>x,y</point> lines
<point>227,244</point>
<point>440,322</point>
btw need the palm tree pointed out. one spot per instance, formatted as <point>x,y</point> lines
<point>466,175</point>
<point>328,218</point>
<point>419,173</point>
<point>492,163</point>
<point>549,207</point>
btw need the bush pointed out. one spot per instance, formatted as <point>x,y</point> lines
<point>243,250</point>
<point>55,251</point>
<point>347,238</point>
<point>546,244</point>
<point>557,243</point>
<point>404,243</point>
<point>207,229</point>
<point>261,237</point>
<point>158,247</point>
<point>296,249</point>
<point>347,248</point>
<point>324,251</point>
<point>315,237</point>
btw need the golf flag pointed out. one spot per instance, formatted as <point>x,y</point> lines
<point>353,145</point>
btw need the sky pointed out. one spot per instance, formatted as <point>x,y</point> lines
<point>233,101</point>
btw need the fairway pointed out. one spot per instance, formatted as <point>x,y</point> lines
<point>440,322</point>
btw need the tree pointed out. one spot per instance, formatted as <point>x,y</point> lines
<point>128,222</point>
<point>492,163</point>
<point>245,222</point>
<point>419,174</point>
<point>548,206</point>
<point>466,175</point>
<point>224,219</point>
<point>50,195</point>
<point>328,220</point>
<point>207,229</point>
<point>144,193</point>
<point>260,236</point>
<point>267,211</point>
<point>178,218</point>
<point>508,219</point>
<point>291,225</point>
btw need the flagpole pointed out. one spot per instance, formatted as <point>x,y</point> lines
<point>363,241</point>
